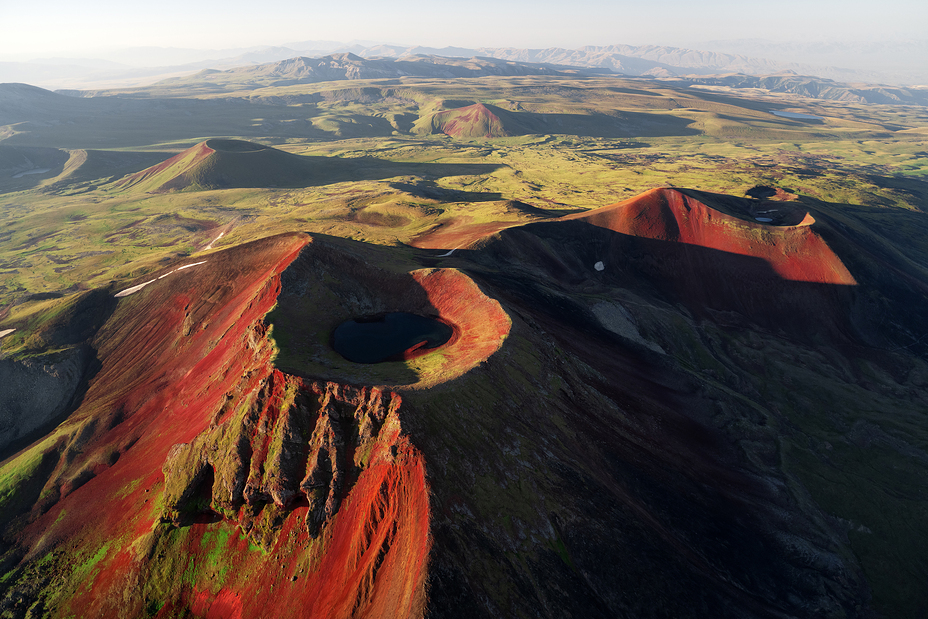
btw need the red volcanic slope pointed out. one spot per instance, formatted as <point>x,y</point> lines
<point>794,253</point>
<point>175,356</point>
<point>481,324</point>
<point>471,122</point>
<point>367,565</point>
<point>183,160</point>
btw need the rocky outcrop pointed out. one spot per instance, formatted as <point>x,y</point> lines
<point>291,442</point>
<point>38,391</point>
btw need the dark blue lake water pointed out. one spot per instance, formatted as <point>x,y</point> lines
<point>387,337</point>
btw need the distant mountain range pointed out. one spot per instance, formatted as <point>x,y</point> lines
<point>893,62</point>
<point>144,66</point>
<point>816,88</point>
<point>661,61</point>
<point>348,66</point>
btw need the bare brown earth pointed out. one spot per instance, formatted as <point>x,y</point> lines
<point>457,232</point>
<point>474,121</point>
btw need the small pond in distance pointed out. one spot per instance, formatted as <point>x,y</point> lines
<point>388,336</point>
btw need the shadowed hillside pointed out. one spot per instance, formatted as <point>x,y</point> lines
<point>225,164</point>
<point>783,237</point>
<point>222,164</point>
<point>482,120</point>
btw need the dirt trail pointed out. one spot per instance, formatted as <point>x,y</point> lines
<point>226,229</point>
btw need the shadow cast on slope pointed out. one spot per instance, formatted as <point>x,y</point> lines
<point>623,125</point>
<point>649,486</point>
<point>318,171</point>
<point>731,289</point>
<point>373,169</point>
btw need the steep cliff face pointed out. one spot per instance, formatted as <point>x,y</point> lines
<point>37,391</point>
<point>320,477</point>
<point>291,443</point>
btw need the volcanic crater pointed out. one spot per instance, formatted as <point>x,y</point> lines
<point>335,282</point>
<point>393,336</point>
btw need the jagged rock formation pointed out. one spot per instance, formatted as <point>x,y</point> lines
<point>289,442</point>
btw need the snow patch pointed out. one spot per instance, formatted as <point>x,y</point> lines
<point>599,266</point>
<point>33,171</point>
<point>134,289</point>
<point>6,332</point>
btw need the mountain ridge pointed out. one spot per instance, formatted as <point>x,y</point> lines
<point>349,66</point>
<point>151,64</point>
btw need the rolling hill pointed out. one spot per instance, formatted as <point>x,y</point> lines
<point>818,88</point>
<point>20,102</point>
<point>472,121</point>
<point>222,164</point>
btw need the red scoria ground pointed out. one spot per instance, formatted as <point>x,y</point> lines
<point>189,158</point>
<point>176,358</point>
<point>795,253</point>
<point>471,121</point>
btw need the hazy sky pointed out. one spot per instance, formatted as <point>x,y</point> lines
<point>30,28</point>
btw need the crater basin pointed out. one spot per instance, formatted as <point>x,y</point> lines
<point>389,337</point>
